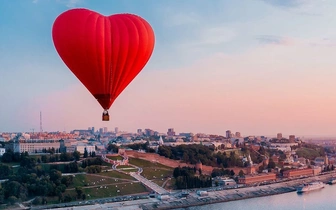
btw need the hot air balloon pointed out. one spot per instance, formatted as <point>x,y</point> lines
<point>104,52</point>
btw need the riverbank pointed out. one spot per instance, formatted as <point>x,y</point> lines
<point>220,196</point>
<point>235,194</point>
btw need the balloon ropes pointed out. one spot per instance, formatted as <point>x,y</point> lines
<point>104,52</point>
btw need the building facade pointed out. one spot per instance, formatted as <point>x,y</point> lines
<point>250,179</point>
<point>298,172</point>
<point>34,145</point>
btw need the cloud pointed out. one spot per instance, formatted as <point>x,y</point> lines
<point>35,1</point>
<point>69,3</point>
<point>277,40</point>
<point>301,7</point>
<point>287,3</point>
<point>324,42</point>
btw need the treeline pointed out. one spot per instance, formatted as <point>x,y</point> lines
<point>144,147</point>
<point>197,152</point>
<point>91,161</point>
<point>71,167</point>
<point>9,156</point>
<point>228,161</point>
<point>36,179</point>
<point>114,148</point>
<point>93,169</point>
<point>189,153</point>
<point>63,157</point>
<point>222,172</point>
<point>186,179</point>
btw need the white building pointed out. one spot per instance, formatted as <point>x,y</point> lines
<point>2,151</point>
<point>80,147</point>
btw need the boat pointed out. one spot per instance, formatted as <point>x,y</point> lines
<point>332,181</point>
<point>311,186</point>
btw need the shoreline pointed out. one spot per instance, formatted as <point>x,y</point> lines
<point>227,200</point>
<point>223,196</point>
<point>220,196</point>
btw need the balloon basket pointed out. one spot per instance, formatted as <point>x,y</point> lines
<point>106,117</point>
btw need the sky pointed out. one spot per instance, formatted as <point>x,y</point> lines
<point>260,67</point>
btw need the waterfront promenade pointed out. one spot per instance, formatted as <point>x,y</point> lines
<point>219,196</point>
<point>214,196</point>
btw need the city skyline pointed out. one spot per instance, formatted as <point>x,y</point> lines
<point>257,67</point>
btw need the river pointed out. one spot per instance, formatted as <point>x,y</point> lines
<point>323,199</point>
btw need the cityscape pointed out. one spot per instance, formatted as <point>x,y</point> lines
<point>218,164</point>
<point>162,105</point>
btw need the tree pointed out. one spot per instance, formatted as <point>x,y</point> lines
<point>55,175</point>
<point>37,200</point>
<point>12,200</point>
<point>85,153</point>
<point>76,155</point>
<point>79,192</point>
<point>5,171</point>
<point>112,148</point>
<point>185,157</point>
<point>241,173</point>
<point>7,157</point>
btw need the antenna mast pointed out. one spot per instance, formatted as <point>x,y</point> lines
<point>41,130</point>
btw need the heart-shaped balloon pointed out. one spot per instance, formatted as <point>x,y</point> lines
<point>104,52</point>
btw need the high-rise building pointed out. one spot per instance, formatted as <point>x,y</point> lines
<point>292,138</point>
<point>228,134</point>
<point>105,129</point>
<point>279,136</point>
<point>139,131</point>
<point>171,132</point>
<point>101,130</point>
<point>116,130</point>
<point>149,132</point>
<point>238,135</point>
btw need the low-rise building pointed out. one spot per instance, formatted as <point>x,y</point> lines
<point>34,145</point>
<point>250,179</point>
<point>298,172</point>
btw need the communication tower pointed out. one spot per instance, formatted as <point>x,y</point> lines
<point>41,130</point>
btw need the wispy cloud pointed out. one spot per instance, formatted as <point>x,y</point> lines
<point>325,42</point>
<point>69,3</point>
<point>302,7</point>
<point>277,40</point>
<point>35,1</point>
<point>287,3</point>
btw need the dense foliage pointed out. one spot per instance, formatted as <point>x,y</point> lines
<point>222,172</point>
<point>186,178</point>
<point>189,153</point>
<point>309,151</point>
<point>37,176</point>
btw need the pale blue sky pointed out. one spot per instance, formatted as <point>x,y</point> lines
<point>254,66</point>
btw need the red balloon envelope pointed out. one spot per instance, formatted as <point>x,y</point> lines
<point>104,52</point>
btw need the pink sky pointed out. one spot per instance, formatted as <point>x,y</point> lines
<point>266,90</point>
